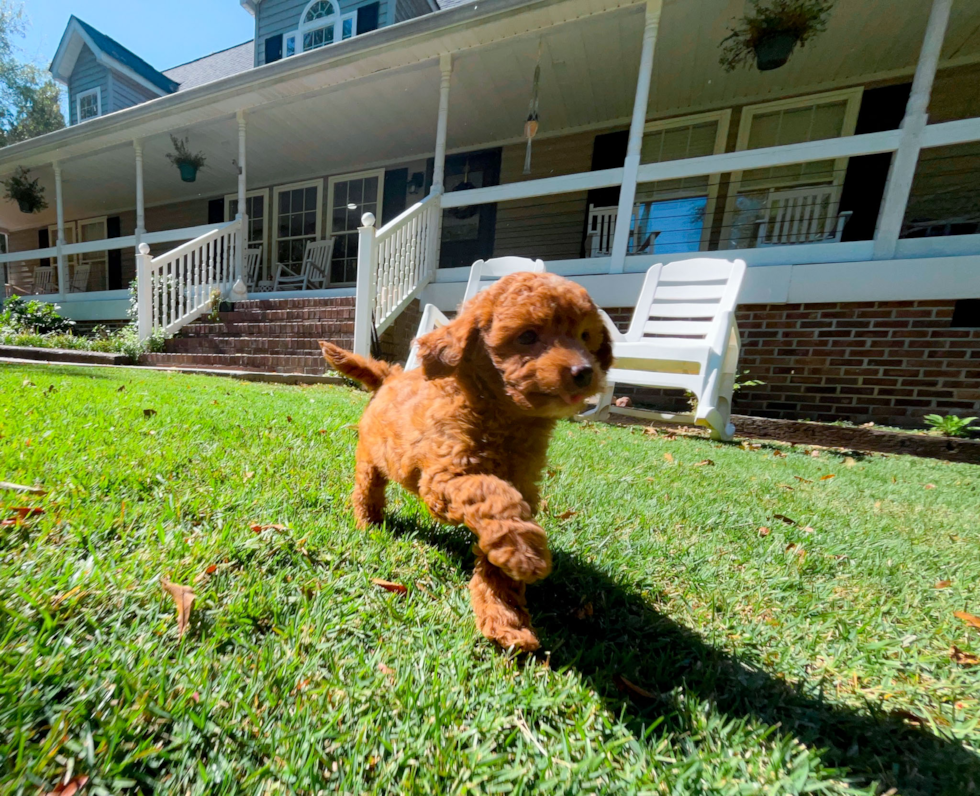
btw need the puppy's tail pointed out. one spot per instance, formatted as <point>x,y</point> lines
<point>369,372</point>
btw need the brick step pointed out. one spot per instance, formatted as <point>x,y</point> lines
<point>276,316</point>
<point>253,345</point>
<point>311,329</point>
<point>265,363</point>
<point>294,304</point>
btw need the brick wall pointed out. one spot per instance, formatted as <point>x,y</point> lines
<point>396,341</point>
<point>890,362</point>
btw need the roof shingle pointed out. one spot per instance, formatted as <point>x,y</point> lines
<point>213,67</point>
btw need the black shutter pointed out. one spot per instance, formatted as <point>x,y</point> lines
<point>396,189</point>
<point>43,241</point>
<point>113,229</point>
<point>273,48</point>
<point>367,17</point>
<point>216,211</point>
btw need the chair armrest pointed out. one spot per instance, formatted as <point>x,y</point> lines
<point>614,333</point>
<point>432,319</point>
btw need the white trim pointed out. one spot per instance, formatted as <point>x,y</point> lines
<point>274,248</point>
<point>266,223</point>
<point>97,91</point>
<point>356,175</point>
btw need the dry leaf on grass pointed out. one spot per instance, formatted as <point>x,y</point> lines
<point>849,461</point>
<point>567,515</point>
<point>289,419</point>
<point>763,531</point>
<point>778,454</point>
<point>249,475</point>
<point>784,518</point>
<point>802,480</point>
<point>9,487</point>
<point>70,788</point>
<point>183,597</point>
<point>704,463</point>
<point>272,527</point>
<point>625,686</point>
<point>149,412</point>
<point>387,585</point>
<point>584,611</point>
<point>827,477</point>
<point>386,669</point>
<point>786,486</point>
<point>963,658</point>
<point>121,388</point>
<point>943,584</point>
<point>908,716</point>
<point>970,619</point>
<point>668,457</point>
<point>651,431</point>
<point>930,486</point>
<point>815,454</point>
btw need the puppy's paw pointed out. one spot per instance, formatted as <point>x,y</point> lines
<point>500,610</point>
<point>522,553</point>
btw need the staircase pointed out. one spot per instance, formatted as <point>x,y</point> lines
<point>268,335</point>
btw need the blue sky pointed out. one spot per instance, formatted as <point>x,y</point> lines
<point>163,34</point>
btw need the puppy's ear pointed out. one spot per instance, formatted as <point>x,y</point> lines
<point>443,350</point>
<point>605,352</point>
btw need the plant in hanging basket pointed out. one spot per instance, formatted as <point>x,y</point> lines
<point>28,195</point>
<point>187,162</point>
<point>768,34</point>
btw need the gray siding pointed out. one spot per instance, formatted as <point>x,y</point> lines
<point>126,93</point>
<point>87,74</point>
<point>275,17</point>
<point>409,9</point>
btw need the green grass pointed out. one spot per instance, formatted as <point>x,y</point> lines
<point>749,667</point>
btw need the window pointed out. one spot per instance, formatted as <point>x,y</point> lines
<point>255,206</point>
<point>350,197</point>
<point>297,221</point>
<point>96,263</point>
<point>319,25</point>
<point>89,104</point>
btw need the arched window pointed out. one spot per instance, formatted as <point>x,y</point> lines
<point>321,24</point>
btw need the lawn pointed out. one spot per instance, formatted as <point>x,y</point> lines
<point>721,618</point>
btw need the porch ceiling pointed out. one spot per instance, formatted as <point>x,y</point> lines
<point>372,110</point>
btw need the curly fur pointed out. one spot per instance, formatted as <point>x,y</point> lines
<point>468,432</point>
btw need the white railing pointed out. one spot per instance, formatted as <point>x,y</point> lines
<point>394,264</point>
<point>175,288</point>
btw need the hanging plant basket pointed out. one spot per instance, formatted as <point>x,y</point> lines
<point>188,171</point>
<point>188,163</point>
<point>774,51</point>
<point>27,193</point>
<point>767,35</point>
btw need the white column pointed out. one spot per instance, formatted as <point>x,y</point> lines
<point>60,209</point>
<point>242,214</point>
<point>140,210</point>
<point>144,289</point>
<point>366,248</point>
<point>439,168</point>
<point>902,172</point>
<point>627,192</point>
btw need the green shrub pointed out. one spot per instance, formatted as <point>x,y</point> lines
<point>37,317</point>
<point>951,425</point>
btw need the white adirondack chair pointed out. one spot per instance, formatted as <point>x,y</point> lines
<point>43,280</point>
<point>802,215</point>
<point>79,277</point>
<point>683,335</point>
<point>483,273</point>
<point>313,273</point>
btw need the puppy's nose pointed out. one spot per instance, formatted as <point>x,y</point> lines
<point>582,375</point>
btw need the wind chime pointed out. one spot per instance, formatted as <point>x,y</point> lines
<point>531,124</point>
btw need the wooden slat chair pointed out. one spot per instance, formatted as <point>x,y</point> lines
<point>802,215</point>
<point>683,335</point>
<point>483,273</point>
<point>602,225</point>
<point>253,271</point>
<point>79,277</point>
<point>314,272</point>
<point>43,280</point>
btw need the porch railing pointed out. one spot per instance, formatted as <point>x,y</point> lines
<point>394,264</point>
<point>175,288</point>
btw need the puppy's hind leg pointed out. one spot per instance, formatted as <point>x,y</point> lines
<point>369,493</point>
<point>499,607</point>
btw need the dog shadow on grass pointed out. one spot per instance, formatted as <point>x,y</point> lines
<point>607,631</point>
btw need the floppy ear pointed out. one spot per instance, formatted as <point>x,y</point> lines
<point>605,353</point>
<point>441,351</point>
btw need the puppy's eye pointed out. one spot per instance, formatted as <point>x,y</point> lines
<point>585,336</point>
<point>530,337</point>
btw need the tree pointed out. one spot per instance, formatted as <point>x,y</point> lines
<point>29,98</point>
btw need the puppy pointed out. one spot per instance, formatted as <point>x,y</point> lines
<point>468,431</point>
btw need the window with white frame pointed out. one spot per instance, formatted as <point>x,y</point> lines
<point>89,104</point>
<point>296,221</point>
<point>320,24</point>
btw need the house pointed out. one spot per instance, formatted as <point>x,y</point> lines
<point>847,179</point>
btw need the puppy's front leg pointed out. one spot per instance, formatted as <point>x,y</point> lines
<point>499,516</point>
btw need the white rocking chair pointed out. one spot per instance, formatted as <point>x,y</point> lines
<point>602,225</point>
<point>43,280</point>
<point>483,273</point>
<point>313,273</point>
<point>79,277</point>
<point>683,335</point>
<point>802,215</point>
<point>253,271</point>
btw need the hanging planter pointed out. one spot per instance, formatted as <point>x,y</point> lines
<point>187,163</point>
<point>768,34</point>
<point>27,193</point>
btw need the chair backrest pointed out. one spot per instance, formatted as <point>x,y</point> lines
<point>685,299</point>
<point>43,279</point>
<point>253,263</point>
<point>799,215</point>
<point>316,260</point>
<point>79,279</point>
<point>484,273</point>
<point>602,225</point>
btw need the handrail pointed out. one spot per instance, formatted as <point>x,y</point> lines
<point>397,221</point>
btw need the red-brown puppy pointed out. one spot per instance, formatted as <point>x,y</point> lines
<point>468,431</point>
